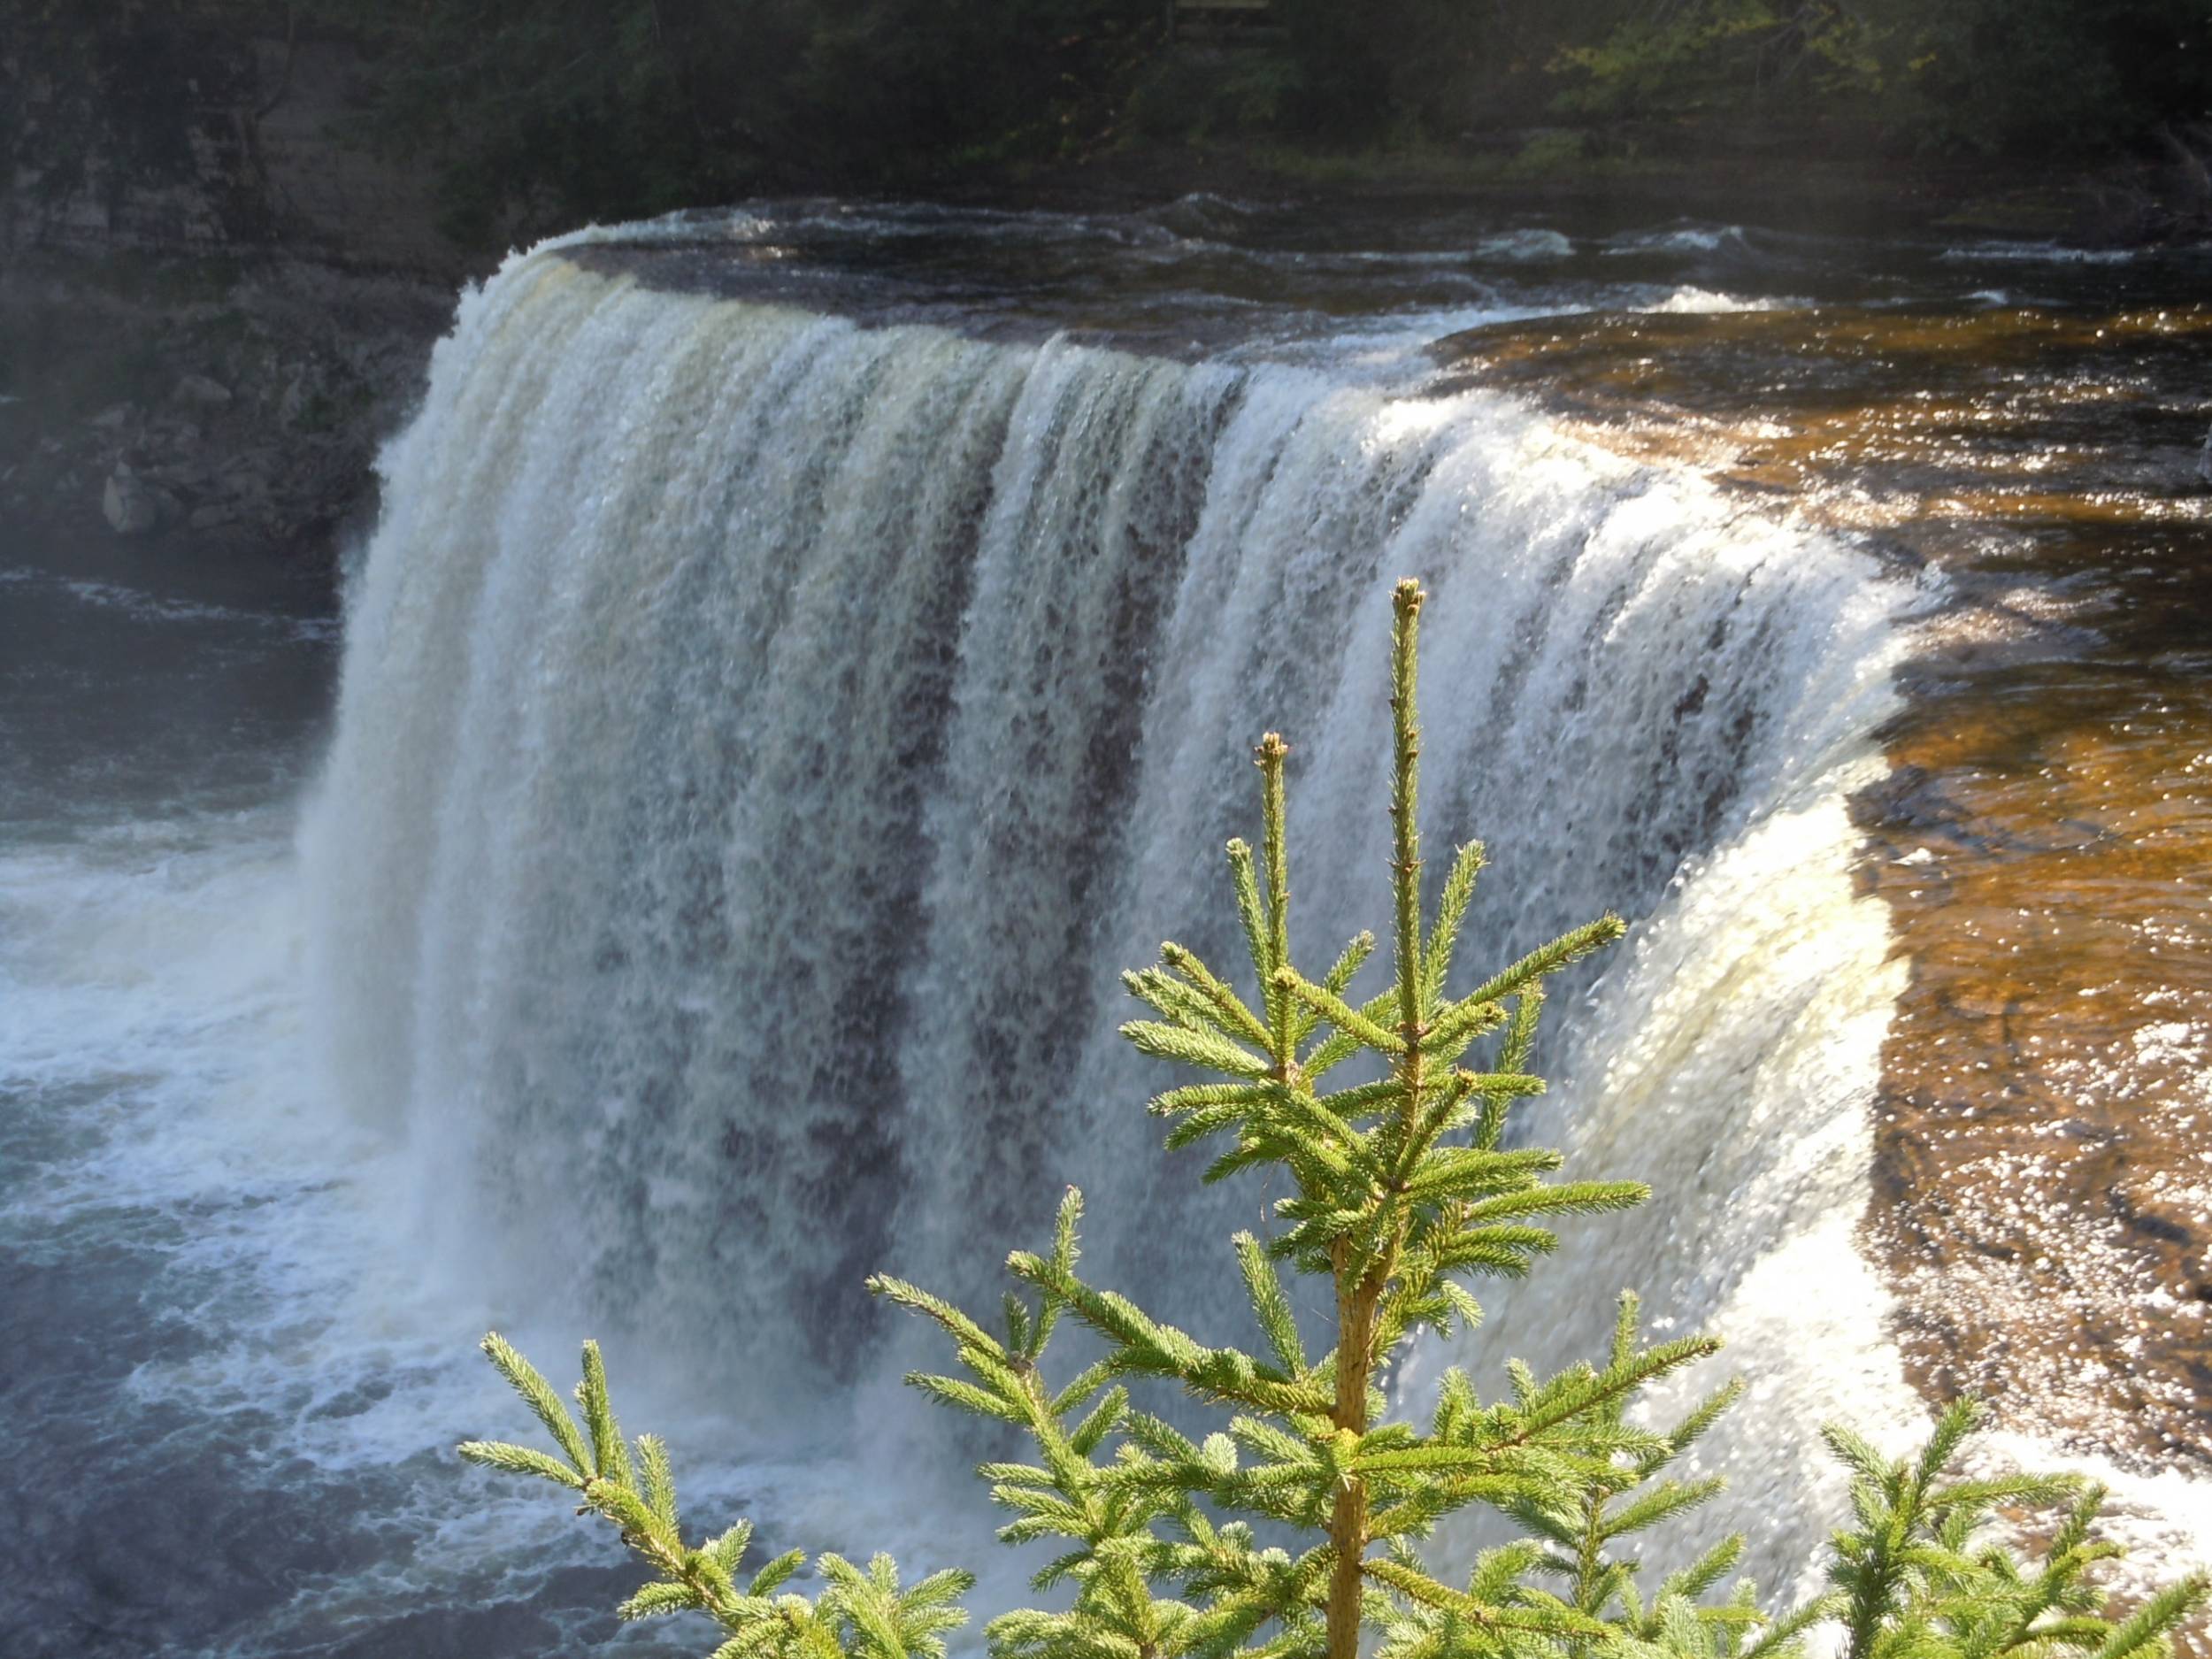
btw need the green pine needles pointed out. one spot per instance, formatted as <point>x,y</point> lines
<point>1293,1532</point>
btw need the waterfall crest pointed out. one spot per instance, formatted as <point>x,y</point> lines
<point>764,738</point>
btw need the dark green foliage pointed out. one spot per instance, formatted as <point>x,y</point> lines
<point>552,112</point>
<point>1740,57</point>
<point>537,114</point>
<point>1295,1529</point>
<point>2025,77</point>
<point>120,82</point>
<point>2048,76</point>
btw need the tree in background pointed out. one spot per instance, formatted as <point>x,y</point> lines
<point>1295,1529</point>
<point>2017,77</point>
<point>2047,76</point>
<point>538,114</point>
<point>577,110</point>
<point>93,95</point>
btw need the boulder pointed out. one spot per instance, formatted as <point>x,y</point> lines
<point>131,505</point>
<point>201,392</point>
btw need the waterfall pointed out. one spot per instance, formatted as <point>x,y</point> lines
<point>764,738</point>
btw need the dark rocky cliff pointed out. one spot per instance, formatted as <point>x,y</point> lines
<point>209,318</point>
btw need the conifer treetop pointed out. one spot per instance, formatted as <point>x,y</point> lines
<point>1293,1531</point>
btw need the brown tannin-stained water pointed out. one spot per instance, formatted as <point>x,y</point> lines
<point>2043,1171</point>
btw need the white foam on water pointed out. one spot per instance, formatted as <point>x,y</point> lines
<point>1532,244</point>
<point>2036,253</point>
<point>1685,239</point>
<point>1704,302</point>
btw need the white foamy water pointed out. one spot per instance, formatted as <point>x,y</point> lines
<point>2038,253</point>
<point>1696,302</point>
<point>764,737</point>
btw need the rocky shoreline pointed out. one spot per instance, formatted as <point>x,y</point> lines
<point>190,397</point>
<point>219,358</point>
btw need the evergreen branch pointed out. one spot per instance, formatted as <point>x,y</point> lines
<point>2146,1632</point>
<point>1512,1059</point>
<point>1163,1350</point>
<point>1664,1504</point>
<point>1361,1099</point>
<point>1956,1423</point>
<point>1194,1096</point>
<point>1173,1042</point>
<point>1571,1397</point>
<point>1460,1024</point>
<point>1780,1636</point>
<point>1251,912</point>
<point>1271,1306</point>
<point>967,1396</point>
<point>1102,1419</point>
<point>660,1479</point>
<point>1348,962</point>
<point>663,1596</point>
<point>964,1331</point>
<point>1545,960</point>
<point>1564,1198</point>
<point>1405,749</point>
<point>538,1395</point>
<point>521,1460</point>
<point>1085,1386</point>
<point>1338,1013</point>
<point>778,1572</point>
<point>1205,1123</point>
<point>1188,1006</point>
<point>610,1456</point>
<point>729,1549</point>
<point>1418,1587</point>
<point>1230,1005</point>
<point>1451,911</point>
<point>1340,1045</point>
<point>1270,756</point>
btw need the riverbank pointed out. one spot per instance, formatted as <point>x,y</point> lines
<point>1842,186</point>
<point>190,376</point>
<point>194,398</point>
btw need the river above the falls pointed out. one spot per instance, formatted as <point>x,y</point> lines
<point>799,636</point>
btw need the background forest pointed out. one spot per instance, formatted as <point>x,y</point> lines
<point>537,111</point>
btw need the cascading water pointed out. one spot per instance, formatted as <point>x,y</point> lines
<point>809,651</point>
<point>763,738</point>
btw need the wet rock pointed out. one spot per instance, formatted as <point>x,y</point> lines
<point>129,503</point>
<point>303,400</point>
<point>214,516</point>
<point>290,335</point>
<point>189,476</point>
<point>201,392</point>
